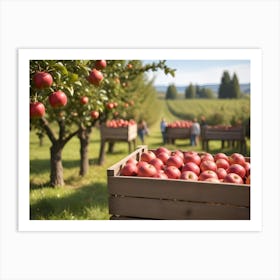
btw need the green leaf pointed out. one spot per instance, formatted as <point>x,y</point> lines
<point>78,83</point>
<point>70,90</point>
<point>59,66</point>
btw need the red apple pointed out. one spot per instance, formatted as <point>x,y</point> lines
<point>94,114</point>
<point>247,166</point>
<point>37,110</point>
<point>237,158</point>
<point>192,157</point>
<point>191,166</point>
<point>100,64</point>
<point>146,170</point>
<point>222,163</point>
<point>129,66</point>
<point>178,153</point>
<point>163,156</point>
<point>206,156</point>
<point>110,105</point>
<point>58,99</point>
<point>221,156</point>
<point>207,174</point>
<point>175,160</point>
<point>42,80</point>
<point>142,163</point>
<point>84,100</point>
<point>132,160</point>
<point>162,149</point>
<point>95,77</point>
<point>189,176</point>
<point>221,172</point>
<point>233,178</point>
<point>147,156</point>
<point>157,163</point>
<point>172,172</point>
<point>161,175</point>
<point>212,180</point>
<point>130,169</point>
<point>208,165</point>
<point>237,169</point>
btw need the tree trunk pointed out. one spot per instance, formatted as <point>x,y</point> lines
<point>41,140</point>
<point>84,136</point>
<point>56,165</point>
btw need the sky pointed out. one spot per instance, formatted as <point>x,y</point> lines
<point>201,71</point>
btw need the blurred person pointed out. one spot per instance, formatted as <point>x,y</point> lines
<point>195,132</point>
<point>142,131</point>
<point>163,125</point>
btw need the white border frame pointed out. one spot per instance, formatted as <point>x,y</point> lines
<point>255,57</point>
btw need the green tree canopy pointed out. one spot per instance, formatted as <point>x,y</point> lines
<point>190,91</point>
<point>225,86</point>
<point>235,87</point>
<point>171,92</point>
<point>206,93</point>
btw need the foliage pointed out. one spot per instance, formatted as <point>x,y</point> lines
<point>171,92</point>
<point>225,86</point>
<point>189,108</point>
<point>229,88</point>
<point>235,87</point>
<point>73,77</point>
<point>205,93</point>
<point>190,91</point>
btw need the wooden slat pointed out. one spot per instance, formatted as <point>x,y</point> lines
<point>128,218</point>
<point>179,189</point>
<point>174,210</point>
<point>177,133</point>
<point>119,133</point>
<point>223,133</point>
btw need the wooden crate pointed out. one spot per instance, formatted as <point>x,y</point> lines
<point>173,133</point>
<point>152,198</point>
<point>128,133</point>
<point>119,134</point>
<point>223,133</point>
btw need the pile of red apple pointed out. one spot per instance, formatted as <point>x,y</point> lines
<point>180,124</point>
<point>120,123</point>
<point>191,166</point>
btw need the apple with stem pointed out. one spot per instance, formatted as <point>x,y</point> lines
<point>233,178</point>
<point>189,176</point>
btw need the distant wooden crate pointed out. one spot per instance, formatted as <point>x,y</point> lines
<point>151,198</point>
<point>223,133</point>
<point>173,133</point>
<point>128,133</point>
<point>116,134</point>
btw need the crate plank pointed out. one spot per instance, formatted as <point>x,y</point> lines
<point>179,189</point>
<point>174,210</point>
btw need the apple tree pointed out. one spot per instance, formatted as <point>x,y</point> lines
<point>68,97</point>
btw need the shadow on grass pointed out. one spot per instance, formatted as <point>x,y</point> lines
<point>74,205</point>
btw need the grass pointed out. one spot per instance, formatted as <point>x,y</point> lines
<point>86,197</point>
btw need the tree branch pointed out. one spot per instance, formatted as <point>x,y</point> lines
<point>70,136</point>
<point>48,130</point>
<point>61,124</point>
